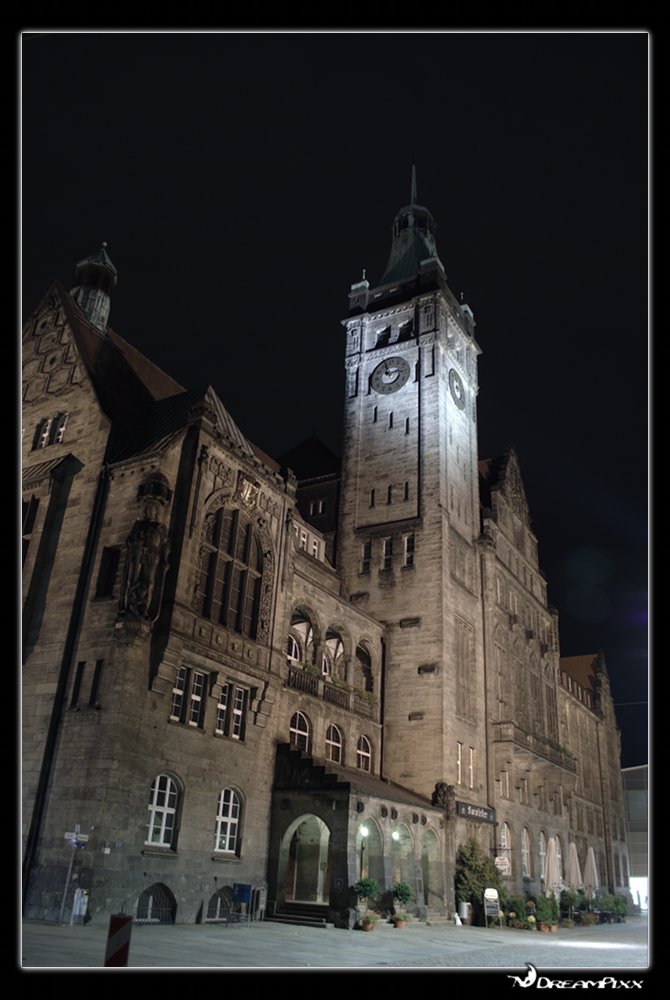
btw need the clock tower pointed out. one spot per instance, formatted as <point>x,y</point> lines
<point>410,508</point>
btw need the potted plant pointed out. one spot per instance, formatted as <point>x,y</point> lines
<point>366,889</point>
<point>554,913</point>
<point>368,921</point>
<point>402,893</point>
<point>400,919</point>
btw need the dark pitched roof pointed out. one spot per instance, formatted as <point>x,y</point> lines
<point>311,459</point>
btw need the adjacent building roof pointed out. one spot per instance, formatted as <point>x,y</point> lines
<point>582,669</point>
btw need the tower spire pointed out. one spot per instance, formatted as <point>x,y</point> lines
<point>413,194</point>
<point>96,277</point>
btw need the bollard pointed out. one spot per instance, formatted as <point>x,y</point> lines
<point>118,940</point>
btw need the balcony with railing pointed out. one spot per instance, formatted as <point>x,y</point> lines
<point>312,684</point>
<point>509,732</point>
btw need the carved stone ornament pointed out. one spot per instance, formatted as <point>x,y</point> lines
<point>444,797</point>
<point>147,550</point>
<point>247,492</point>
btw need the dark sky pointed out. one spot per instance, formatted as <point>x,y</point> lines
<point>244,180</point>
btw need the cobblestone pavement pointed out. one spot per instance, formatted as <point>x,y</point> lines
<point>277,946</point>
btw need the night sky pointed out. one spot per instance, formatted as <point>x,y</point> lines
<point>243,181</point>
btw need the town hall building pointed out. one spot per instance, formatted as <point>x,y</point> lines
<point>259,680</point>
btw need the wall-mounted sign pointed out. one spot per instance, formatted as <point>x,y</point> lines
<point>503,865</point>
<point>482,813</point>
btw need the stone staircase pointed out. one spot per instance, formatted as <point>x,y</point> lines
<point>436,919</point>
<point>302,914</point>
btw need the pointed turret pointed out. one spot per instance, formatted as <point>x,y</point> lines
<point>413,265</point>
<point>413,249</point>
<point>96,277</point>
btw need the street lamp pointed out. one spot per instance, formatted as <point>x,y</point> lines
<point>364,833</point>
<point>395,835</point>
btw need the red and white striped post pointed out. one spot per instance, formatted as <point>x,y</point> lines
<point>118,939</point>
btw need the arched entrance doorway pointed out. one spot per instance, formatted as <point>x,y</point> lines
<point>403,866</point>
<point>369,852</point>
<point>433,887</point>
<point>304,861</point>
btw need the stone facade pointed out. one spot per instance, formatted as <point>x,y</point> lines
<point>237,676</point>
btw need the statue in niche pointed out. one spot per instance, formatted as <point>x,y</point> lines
<point>147,550</point>
<point>444,797</point>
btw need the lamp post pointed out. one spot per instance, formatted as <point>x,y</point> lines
<point>364,833</point>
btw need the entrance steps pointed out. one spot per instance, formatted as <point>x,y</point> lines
<point>301,913</point>
<point>435,919</point>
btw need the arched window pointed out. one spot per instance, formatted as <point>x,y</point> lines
<point>293,653</point>
<point>228,822</point>
<point>163,803</point>
<point>334,745</point>
<point>506,841</point>
<point>364,665</point>
<point>231,572</point>
<point>326,665</point>
<point>363,754</point>
<point>543,854</point>
<point>525,852</point>
<point>299,730</point>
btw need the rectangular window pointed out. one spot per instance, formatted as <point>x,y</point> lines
<point>387,553</point>
<point>408,556</point>
<point>231,711</point>
<point>391,419</point>
<point>459,763</point>
<point>405,495</point>
<point>222,711</point>
<point>237,727</point>
<point>315,548</point>
<point>374,415</point>
<point>471,767</point>
<point>29,513</point>
<point>303,540</point>
<point>366,556</point>
<point>179,694</point>
<point>76,687</point>
<point>406,425</point>
<point>504,784</point>
<point>389,494</point>
<point>317,507</point>
<point>109,564</point>
<point>196,711</point>
<point>42,433</point>
<point>95,684</point>
<point>59,428</point>
<point>372,498</point>
<point>523,791</point>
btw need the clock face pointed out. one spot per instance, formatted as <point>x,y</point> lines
<point>457,389</point>
<point>390,375</point>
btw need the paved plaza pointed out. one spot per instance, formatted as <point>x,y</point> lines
<point>268,946</point>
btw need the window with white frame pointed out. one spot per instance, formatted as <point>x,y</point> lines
<point>459,763</point>
<point>50,430</point>
<point>366,556</point>
<point>303,540</point>
<point>299,731</point>
<point>326,665</point>
<point>471,767</point>
<point>334,744</point>
<point>318,506</point>
<point>525,852</point>
<point>387,553</point>
<point>189,695</point>
<point>293,653</point>
<point>231,711</point>
<point>228,822</point>
<point>542,850</point>
<point>505,840</point>
<point>315,548</point>
<point>163,802</point>
<point>504,784</point>
<point>363,754</point>
<point>408,554</point>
